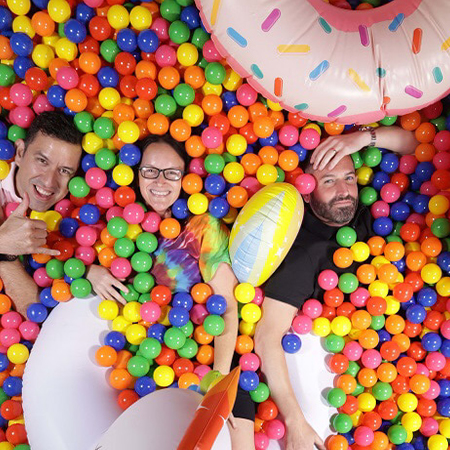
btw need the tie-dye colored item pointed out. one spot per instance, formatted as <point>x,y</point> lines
<point>193,256</point>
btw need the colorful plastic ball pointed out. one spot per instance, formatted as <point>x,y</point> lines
<point>291,343</point>
<point>244,292</point>
<point>305,183</point>
<point>18,353</point>
<point>328,279</point>
<point>309,138</point>
<point>248,380</point>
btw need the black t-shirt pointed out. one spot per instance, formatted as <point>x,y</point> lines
<point>295,281</point>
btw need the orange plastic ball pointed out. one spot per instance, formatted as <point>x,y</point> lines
<point>201,292</point>
<point>205,354</point>
<point>106,356</point>
<point>251,162</point>
<point>376,245</point>
<point>192,183</point>
<point>244,344</point>
<point>425,133</point>
<point>180,130</point>
<point>288,160</point>
<point>347,383</point>
<point>42,23</point>
<point>201,336</point>
<point>61,291</point>
<point>366,273</point>
<point>410,121</point>
<point>237,197</point>
<point>334,128</point>
<point>263,127</point>
<point>268,155</point>
<point>168,77</point>
<point>158,124</point>
<point>394,251</point>
<point>194,76</point>
<point>120,379</point>
<point>238,116</point>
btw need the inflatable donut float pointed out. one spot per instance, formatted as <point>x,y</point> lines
<point>332,64</point>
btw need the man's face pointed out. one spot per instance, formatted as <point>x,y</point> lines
<point>335,199</point>
<point>45,169</point>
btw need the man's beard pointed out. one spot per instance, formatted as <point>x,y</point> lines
<point>328,214</point>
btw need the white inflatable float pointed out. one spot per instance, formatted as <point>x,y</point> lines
<point>332,64</point>
<point>69,405</point>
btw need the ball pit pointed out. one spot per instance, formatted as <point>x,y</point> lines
<point>125,71</point>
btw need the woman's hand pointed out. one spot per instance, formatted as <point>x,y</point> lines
<point>301,436</point>
<point>104,283</point>
<point>334,148</point>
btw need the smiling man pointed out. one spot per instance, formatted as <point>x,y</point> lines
<point>45,162</point>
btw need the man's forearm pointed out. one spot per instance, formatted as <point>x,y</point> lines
<point>395,139</point>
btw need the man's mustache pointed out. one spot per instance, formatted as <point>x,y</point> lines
<point>341,199</point>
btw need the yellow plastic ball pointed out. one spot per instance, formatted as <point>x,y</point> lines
<point>360,251</point>
<point>123,175</point>
<point>444,428</point>
<point>51,41</point>
<point>134,230</point>
<point>366,402</point>
<point>378,289</point>
<point>356,418</point>
<point>120,324</point>
<point>187,54</point>
<point>411,247</point>
<point>59,10</point>
<point>6,446</point>
<point>66,50</point>
<point>247,328</point>
<point>321,327</point>
<point>437,442</point>
<point>118,17</point>
<point>109,97</point>
<point>132,311</point>
<point>244,292</point>
<point>91,143</point>
<point>364,175</point>
<point>22,24</point>
<point>341,325</point>
<point>128,132</point>
<point>411,421</point>
<point>197,203</point>
<point>233,172</point>
<point>140,18</point>
<point>266,174</point>
<point>42,55</point>
<point>438,204</point>
<point>274,106</point>
<point>407,402</point>
<point>313,126</point>
<point>4,169</point>
<point>19,7</point>
<point>236,144</point>
<point>231,216</point>
<point>431,273</point>
<point>379,261</point>
<point>443,287</point>
<point>232,80</point>
<point>164,376</point>
<point>392,305</point>
<point>193,115</point>
<point>18,353</point>
<point>209,88</point>
<point>135,334</point>
<point>108,309</point>
<point>251,313</point>
<point>164,317</point>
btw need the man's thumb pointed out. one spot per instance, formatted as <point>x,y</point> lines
<point>22,209</point>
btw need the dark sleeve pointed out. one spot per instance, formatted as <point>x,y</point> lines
<point>293,281</point>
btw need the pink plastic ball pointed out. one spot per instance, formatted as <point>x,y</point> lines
<point>151,222</point>
<point>202,370</point>
<point>10,208</point>
<point>390,192</point>
<point>328,279</point>
<point>305,183</point>
<point>442,160</point>
<point>212,137</point>
<point>428,188</point>
<point>104,197</point>
<point>133,213</point>
<point>42,104</point>
<point>422,369</point>
<point>249,361</point>
<point>210,52</point>
<point>67,77</point>
<point>429,426</point>
<point>261,441</point>
<point>246,95</point>
<point>418,219</point>
<point>114,211</point>
<point>41,278</point>
<point>433,392</point>
<point>64,207</point>
<point>161,27</point>
<point>302,324</point>
<point>442,141</point>
<point>371,358</point>
<point>121,268</point>
<point>150,311</point>
<point>93,3</point>
<point>259,297</point>
<point>380,209</point>
<point>363,436</point>
<point>29,330</point>
<point>309,139</point>
<point>445,329</point>
<point>435,361</point>
<point>165,56</point>
<point>197,166</point>
<point>86,236</point>
<point>95,178</point>
<point>433,111</point>
<point>86,254</point>
<point>9,336</point>
<point>312,308</point>
<point>359,297</point>
<point>251,185</point>
<point>22,116</point>
<point>275,429</point>
<point>353,350</point>
<point>288,135</point>
<point>198,313</point>
<point>408,164</point>
<point>11,319</point>
<point>21,94</point>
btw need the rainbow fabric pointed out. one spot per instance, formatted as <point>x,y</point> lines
<point>193,256</point>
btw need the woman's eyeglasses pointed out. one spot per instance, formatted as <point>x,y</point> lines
<point>152,173</point>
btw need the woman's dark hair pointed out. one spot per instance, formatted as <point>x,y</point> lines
<point>54,124</point>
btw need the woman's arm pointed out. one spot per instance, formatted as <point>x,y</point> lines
<point>223,283</point>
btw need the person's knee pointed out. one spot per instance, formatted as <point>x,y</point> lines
<point>242,434</point>
<point>267,334</point>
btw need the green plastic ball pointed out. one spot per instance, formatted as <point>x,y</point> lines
<point>342,423</point>
<point>104,128</point>
<point>7,75</point>
<point>174,338</point>
<point>84,121</point>
<point>165,104</point>
<point>184,94</point>
<point>372,157</point>
<point>215,73</point>
<point>141,262</point>
<point>105,159</point>
<point>397,434</point>
<point>143,282</point>
<point>187,329</point>
<point>336,397</point>
<point>357,160</point>
<point>441,227</point>
<point>179,32</point>
<point>170,10</point>
<point>353,368</point>
<point>358,390</point>
<point>132,295</point>
<point>189,349</point>
<point>74,268</point>
<point>348,283</point>
<point>15,132</point>
<point>280,175</point>
<point>147,242</point>
<point>138,366</point>
<point>55,269</point>
<point>109,50</point>
<point>382,391</point>
<point>346,236</point>
<point>124,247</point>
<point>388,120</point>
<point>261,393</point>
<point>199,38</point>
<point>150,348</point>
<point>214,325</point>
<point>368,195</point>
<point>214,163</point>
<point>80,288</point>
<point>117,227</point>
<point>78,187</point>
<point>334,343</point>
<point>377,322</point>
<point>440,123</point>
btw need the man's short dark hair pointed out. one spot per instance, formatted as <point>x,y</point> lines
<point>54,124</point>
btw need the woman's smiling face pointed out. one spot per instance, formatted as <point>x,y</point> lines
<point>160,193</point>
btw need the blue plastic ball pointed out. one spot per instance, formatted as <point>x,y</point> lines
<point>178,316</point>
<point>420,204</point>
<point>21,65</point>
<point>68,227</point>
<point>130,154</point>
<point>445,348</point>
<point>180,209</point>
<point>191,17</point>
<point>127,40</point>
<point>443,407</point>
<point>144,385</point>
<point>427,297</point>
<point>84,13</point>
<point>444,384</point>
<point>379,180</point>
<point>148,41</point>
<point>383,336</point>
<point>216,304</point>
<point>33,264</point>
<point>116,340</point>
<point>55,96</point>
<point>157,331</point>
<point>431,342</point>
<point>272,140</point>
<point>108,77</point>
<point>229,100</point>
<point>416,314</point>
<point>400,264</point>
<point>75,31</point>
<point>12,386</point>
<point>215,184</point>
<point>301,152</point>
<point>424,170</point>
<point>3,130</point>
<point>389,163</point>
<point>4,362</point>
<point>21,44</point>
<point>382,226</point>
<point>183,299</point>
<point>89,214</point>
<point>37,312</point>
<point>6,18</point>
<point>291,343</point>
<point>248,380</point>
<point>46,298</point>
<point>88,162</point>
<point>218,207</point>
<point>7,150</point>
<point>443,261</point>
<point>400,211</point>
